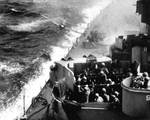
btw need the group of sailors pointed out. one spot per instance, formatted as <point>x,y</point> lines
<point>141,81</point>
<point>102,83</point>
<point>96,83</point>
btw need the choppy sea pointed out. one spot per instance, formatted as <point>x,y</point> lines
<point>32,36</point>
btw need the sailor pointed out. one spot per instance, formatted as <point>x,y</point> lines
<point>109,82</point>
<point>96,69</point>
<point>106,97</point>
<point>113,77</point>
<point>146,79</point>
<point>78,81</point>
<point>98,98</point>
<point>114,99</point>
<point>102,78</point>
<point>79,88</point>
<point>87,92</point>
<point>83,80</point>
<point>134,68</point>
<point>104,68</point>
<point>137,82</point>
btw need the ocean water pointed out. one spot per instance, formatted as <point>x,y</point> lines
<point>31,39</point>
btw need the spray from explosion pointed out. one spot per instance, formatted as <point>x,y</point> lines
<point>119,18</point>
<point>33,87</point>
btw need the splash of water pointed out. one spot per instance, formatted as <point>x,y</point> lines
<point>15,109</point>
<point>90,15</point>
<point>31,90</point>
<point>119,18</point>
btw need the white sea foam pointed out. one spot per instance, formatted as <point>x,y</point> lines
<point>11,68</point>
<point>26,26</point>
<point>34,85</point>
<point>35,25</point>
<point>31,90</point>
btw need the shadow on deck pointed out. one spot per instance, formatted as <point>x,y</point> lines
<point>91,114</point>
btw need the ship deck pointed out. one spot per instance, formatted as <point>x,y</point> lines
<point>89,114</point>
<point>100,111</point>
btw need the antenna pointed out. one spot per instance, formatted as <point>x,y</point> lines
<point>24,109</point>
<point>24,117</point>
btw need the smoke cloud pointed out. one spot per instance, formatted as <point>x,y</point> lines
<point>119,18</point>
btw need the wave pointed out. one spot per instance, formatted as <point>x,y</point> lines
<point>11,68</point>
<point>28,27</point>
<point>38,25</point>
<point>35,85</point>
